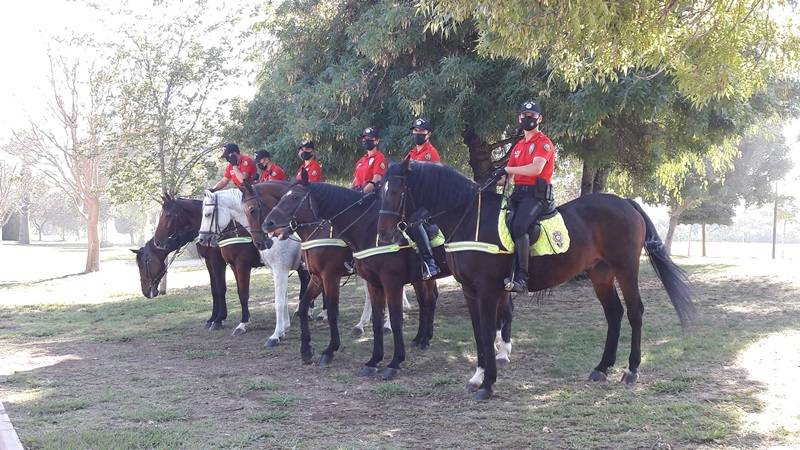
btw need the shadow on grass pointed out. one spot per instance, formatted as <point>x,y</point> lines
<point>198,385</point>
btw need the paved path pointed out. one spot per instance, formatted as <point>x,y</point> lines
<point>8,437</point>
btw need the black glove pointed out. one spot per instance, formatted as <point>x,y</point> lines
<point>498,173</point>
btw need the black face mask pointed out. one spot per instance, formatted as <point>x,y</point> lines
<point>368,144</point>
<point>528,123</point>
<point>262,166</point>
<point>420,139</point>
<point>233,158</point>
<point>306,155</point>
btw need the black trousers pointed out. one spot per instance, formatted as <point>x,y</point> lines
<point>527,209</point>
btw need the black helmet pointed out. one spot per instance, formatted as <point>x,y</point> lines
<point>370,132</point>
<point>262,154</point>
<point>530,106</point>
<point>307,144</point>
<point>421,123</point>
<point>229,148</point>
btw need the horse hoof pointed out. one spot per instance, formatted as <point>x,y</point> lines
<point>415,343</point>
<point>272,342</point>
<point>387,330</point>
<point>207,324</point>
<point>325,359</point>
<point>473,387</point>
<point>630,378</point>
<point>215,326</point>
<point>502,362</point>
<point>307,357</point>
<point>597,375</point>
<point>367,371</point>
<point>390,373</point>
<point>357,331</point>
<point>238,331</point>
<point>483,394</point>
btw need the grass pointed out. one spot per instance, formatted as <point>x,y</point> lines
<point>145,374</point>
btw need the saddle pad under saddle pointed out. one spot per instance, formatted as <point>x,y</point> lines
<point>553,239</point>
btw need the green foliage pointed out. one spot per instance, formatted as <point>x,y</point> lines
<point>711,49</point>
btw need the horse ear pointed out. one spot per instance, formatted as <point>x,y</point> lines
<point>304,177</point>
<point>247,187</point>
<point>135,250</point>
<point>404,166</point>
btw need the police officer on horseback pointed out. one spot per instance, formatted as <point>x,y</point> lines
<point>240,168</point>
<point>530,165</point>
<point>270,170</point>
<point>372,166</point>
<point>423,151</point>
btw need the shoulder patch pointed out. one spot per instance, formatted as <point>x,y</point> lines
<point>428,156</point>
<point>516,153</point>
<point>383,166</point>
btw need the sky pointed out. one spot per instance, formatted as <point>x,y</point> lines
<point>27,26</point>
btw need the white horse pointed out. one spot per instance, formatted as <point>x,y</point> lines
<point>219,209</point>
<point>282,258</point>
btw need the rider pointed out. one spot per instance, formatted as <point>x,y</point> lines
<point>314,170</point>
<point>531,166</point>
<point>372,166</point>
<point>424,151</point>
<point>270,171</point>
<point>240,167</point>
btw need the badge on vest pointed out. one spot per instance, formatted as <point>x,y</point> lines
<point>547,147</point>
<point>531,148</point>
<point>428,156</point>
<point>371,160</point>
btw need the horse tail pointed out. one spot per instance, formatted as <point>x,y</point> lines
<point>671,275</point>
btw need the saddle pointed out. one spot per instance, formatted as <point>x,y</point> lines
<point>553,238</point>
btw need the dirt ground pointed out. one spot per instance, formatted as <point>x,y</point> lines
<point>81,371</point>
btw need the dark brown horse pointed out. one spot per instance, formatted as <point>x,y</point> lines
<point>326,263</point>
<point>607,235</point>
<point>353,217</point>
<point>172,234</point>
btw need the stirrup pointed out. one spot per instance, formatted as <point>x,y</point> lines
<point>512,284</point>
<point>427,273</point>
<point>348,266</point>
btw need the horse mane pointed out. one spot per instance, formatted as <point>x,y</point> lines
<point>442,186</point>
<point>332,197</point>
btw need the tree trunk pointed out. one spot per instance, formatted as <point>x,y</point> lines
<point>131,234</point>
<point>673,223</point>
<point>24,230</point>
<point>689,242</point>
<point>587,178</point>
<point>480,155</point>
<point>775,221</point>
<point>600,179</point>
<point>92,234</point>
<point>704,238</point>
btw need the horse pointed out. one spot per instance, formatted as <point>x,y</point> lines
<point>353,216</point>
<point>177,227</point>
<point>607,234</point>
<point>222,208</point>
<point>325,259</point>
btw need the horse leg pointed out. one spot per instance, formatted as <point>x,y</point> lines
<point>242,274</point>
<point>474,315</point>
<point>213,278</point>
<point>629,283</point>
<point>394,301</point>
<point>331,287</point>
<point>376,296</point>
<point>280,277</point>
<point>603,282</point>
<point>430,295</point>
<point>488,300</point>
<point>419,290</point>
<point>221,310</point>
<point>314,289</point>
<point>366,314</point>
<point>502,343</point>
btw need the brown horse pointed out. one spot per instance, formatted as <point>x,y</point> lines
<point>607,235</point>
<point>354,219</point>
<point>325,260</point>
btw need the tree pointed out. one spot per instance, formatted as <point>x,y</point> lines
<point>73,145</point>
<point>171,97</point>
<point>8,203</point>
<point>711,49</point>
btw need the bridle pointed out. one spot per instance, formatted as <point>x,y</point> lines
<point>153,281</point>
<point>293,225</point>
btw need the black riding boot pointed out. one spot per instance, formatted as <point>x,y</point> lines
<point>429,267</point>
<point>518,282</point>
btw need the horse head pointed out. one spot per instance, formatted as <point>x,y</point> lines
<point>256,206</point>
<point>152,266</point>
<point>392,215</point>
<point>294,207</point>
